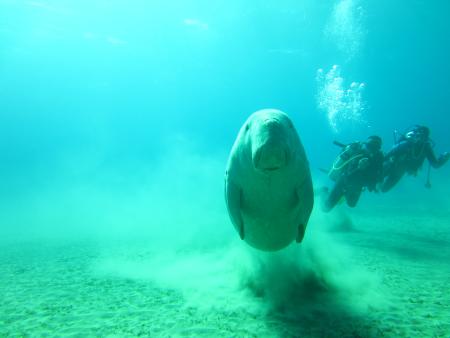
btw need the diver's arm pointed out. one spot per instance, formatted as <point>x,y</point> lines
<point>363,163</point>
<point>435,162</point>
<point>376,175</point>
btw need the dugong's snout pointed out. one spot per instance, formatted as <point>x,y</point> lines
<point>270,150</point>
<point>270,157</point>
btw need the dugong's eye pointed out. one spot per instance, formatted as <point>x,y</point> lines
<point>290,124</point>
<point>247,127</point>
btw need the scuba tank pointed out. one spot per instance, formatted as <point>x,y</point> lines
<point>347,159</point>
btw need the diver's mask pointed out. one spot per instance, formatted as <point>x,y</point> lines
<point>418,134</point>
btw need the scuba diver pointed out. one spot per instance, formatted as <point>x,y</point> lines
<point>408,155</point>
<point>358,166</point>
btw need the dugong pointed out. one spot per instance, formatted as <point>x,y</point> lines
<point>268,186</point>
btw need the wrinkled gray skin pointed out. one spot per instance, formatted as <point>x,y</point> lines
<point>268,187</point>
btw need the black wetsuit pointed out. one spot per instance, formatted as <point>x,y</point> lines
<point>351,183</point>
<point>408,157</point>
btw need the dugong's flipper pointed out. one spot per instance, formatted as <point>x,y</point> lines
<point>233,198</point>
<point>306,205</point>
<point>301,233</point>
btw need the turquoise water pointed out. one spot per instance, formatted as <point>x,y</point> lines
<point>96,95</point>
<point>116,120</point>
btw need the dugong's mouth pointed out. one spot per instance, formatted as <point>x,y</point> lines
<point>270,157</point>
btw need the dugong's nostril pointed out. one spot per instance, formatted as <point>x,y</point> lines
<point>271,122</point>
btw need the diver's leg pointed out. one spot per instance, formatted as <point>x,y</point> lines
<point>334,196</point>
<point>352,196</point>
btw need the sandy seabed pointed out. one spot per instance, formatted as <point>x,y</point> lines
<point>55,290</point>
